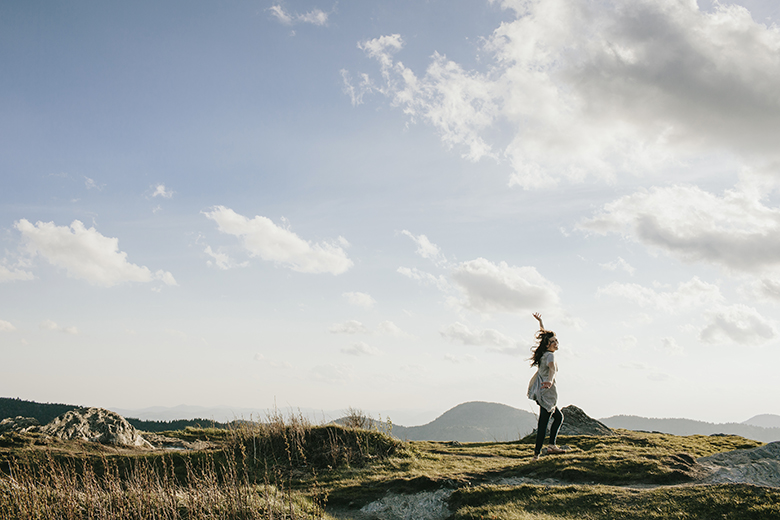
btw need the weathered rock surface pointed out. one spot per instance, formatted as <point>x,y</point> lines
<point>577,422</point>
<point>424,505</point>
<point>95,425</point>
<point>20,425</point>
<point>760,466</point>
<point>173,443</point>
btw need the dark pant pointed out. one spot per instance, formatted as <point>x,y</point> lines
<point>541,429</point>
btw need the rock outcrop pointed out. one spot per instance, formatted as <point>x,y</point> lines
<point>95,425</point>
<point>760,466</point>
<point>577,422</point>
<point>20,425</point>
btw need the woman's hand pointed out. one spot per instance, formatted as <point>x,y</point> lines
<point>546,385</point>
<point>539,319</point>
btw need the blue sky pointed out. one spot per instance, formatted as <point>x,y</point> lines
<point>325,205</point>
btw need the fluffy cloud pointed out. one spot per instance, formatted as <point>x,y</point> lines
<point>314,17</point>
<point>50,325</point>
<point>490,287</point>
<point>426,249</point>
<point>425,278</point>
<point>333,374</point>
<point>360,349</point>
<point>736,231</point>
<point>763,289</point>
<point>6,326</point>
<point>670,346</point>
<point>599,87</point>
<point>85,254</point>
<point>391,329</point>
<point>740,324</point>
<point>619,264</point>
<point>264,239</point>
<point>360,299</point>
<point>348,327</point>
<point>222,260</point>
<point>271,363</point>
<point>689,294</point>
<point>460,332</point>
<point>161,191</point>
<point>14,274</point>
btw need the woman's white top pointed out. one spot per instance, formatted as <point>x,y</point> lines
<point>545,397</point>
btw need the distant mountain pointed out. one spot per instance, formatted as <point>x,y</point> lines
<point>691,427</point>
<point>766,420</point>
<point>474,421</point>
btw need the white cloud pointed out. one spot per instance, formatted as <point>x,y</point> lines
<point>222,260</point>
<point>692,293</point>
<point>391,329</point>
<point>333,374</point>
<point>490,287</point>
<point>468,358</point>
<point>356,93</point>
<point>14,274</point>
<point>460,332</point>
<point>161,191</point>
<point>6,326</point>
<point>262,238</point>
<point>426,249</point>
<point>619,264</point>
<point>740,324</point>
<point>85,254</point>
<point>764,289</point>
<point>627,342</point>
<point>271,363</point>
<point>669,345</point>
<point>91,184</point>
<point>360,299</point>
<point>314,17</point>
<point>425,278</point>
<point>595,87</point>
<point>736,231</point>
<point>360,349</point>
<point>51,325</point>
<point>348,327</point>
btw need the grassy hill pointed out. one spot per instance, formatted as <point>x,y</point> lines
<point>474,421</point>
<point>690,427</point>
<point>296,470</point>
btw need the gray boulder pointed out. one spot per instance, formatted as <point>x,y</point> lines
<point>577,422</point>
<point>759,466</point>
<point>95,425</point>
<point>19,425</point>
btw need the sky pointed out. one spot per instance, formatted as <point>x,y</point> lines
<point>321,205</point>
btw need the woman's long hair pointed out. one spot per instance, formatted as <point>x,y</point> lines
<point>544,337</point>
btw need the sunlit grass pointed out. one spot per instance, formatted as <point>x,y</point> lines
<point>285,467</point>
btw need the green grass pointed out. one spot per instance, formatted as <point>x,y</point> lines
<point>527,502</point>
<point>292,469</point>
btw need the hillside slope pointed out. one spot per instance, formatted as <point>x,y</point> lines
<point>475,421</point>
<point>691,427</point>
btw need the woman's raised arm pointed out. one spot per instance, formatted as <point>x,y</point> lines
<point>539,319</point>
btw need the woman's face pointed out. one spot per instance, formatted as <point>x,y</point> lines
<point>552,345</point>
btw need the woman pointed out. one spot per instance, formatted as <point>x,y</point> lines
<point>542,388</point>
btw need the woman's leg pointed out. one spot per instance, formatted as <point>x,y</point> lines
<point>556,425</point>
<point>541,429</point>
